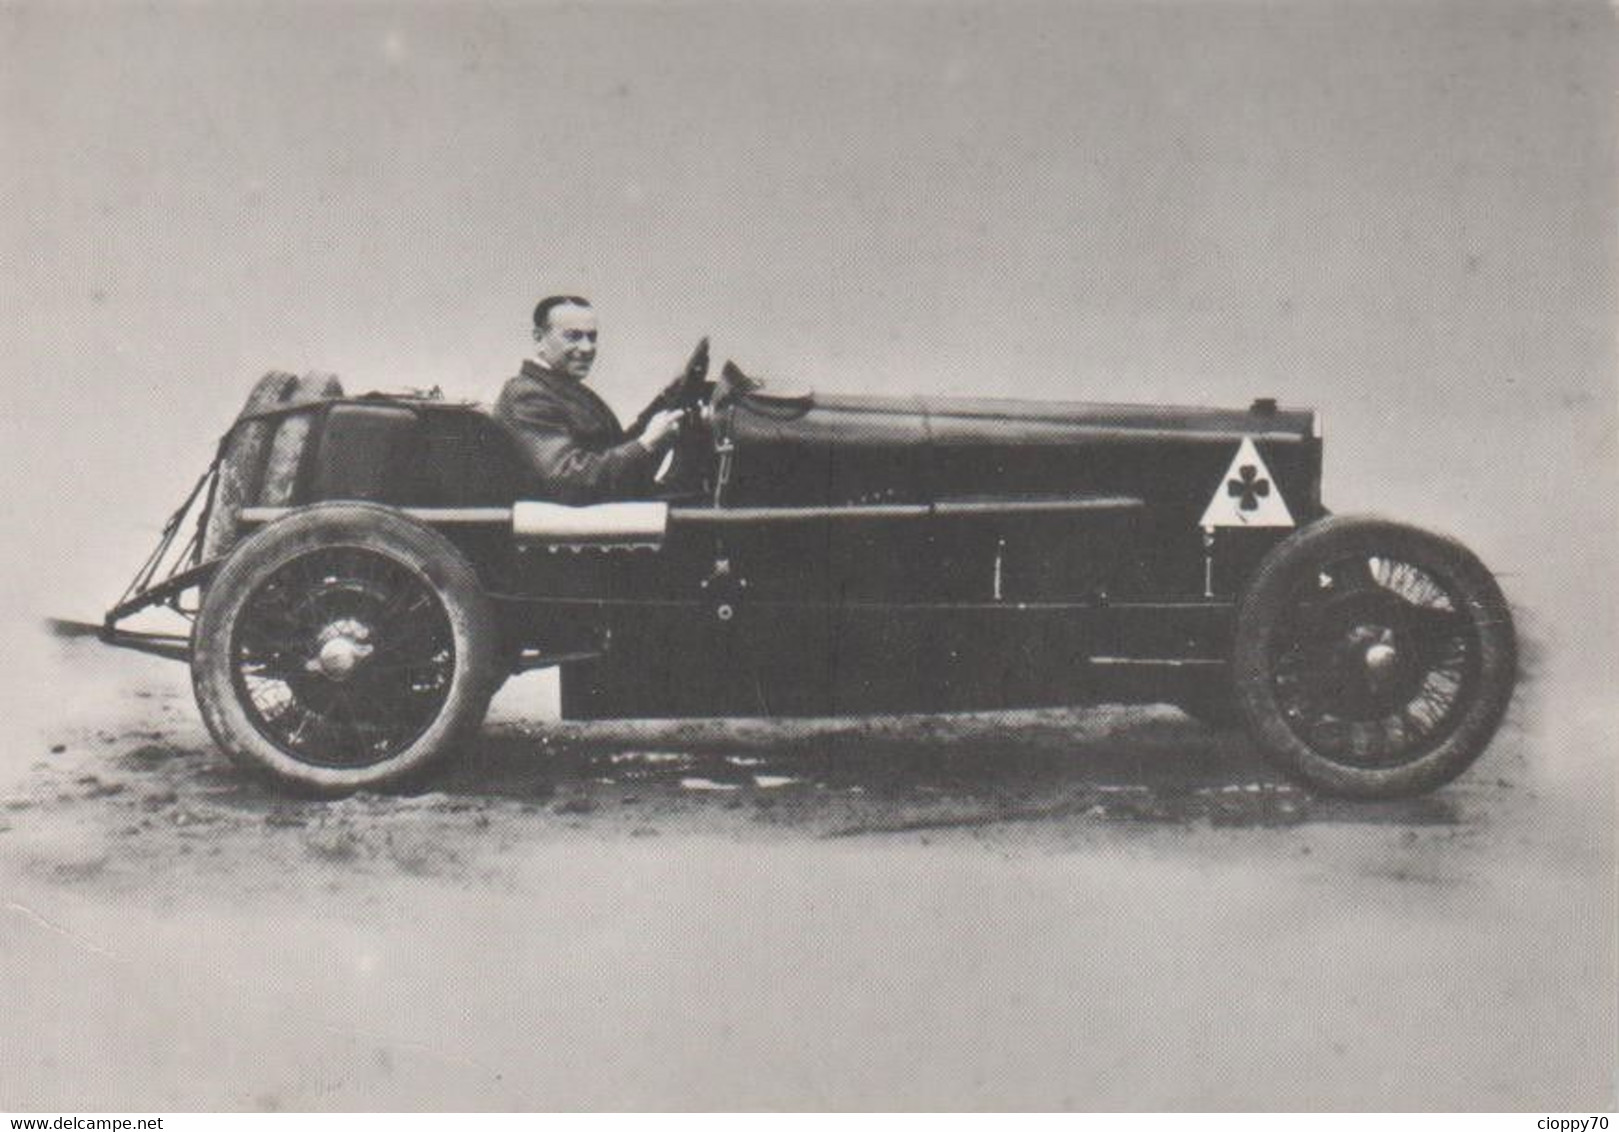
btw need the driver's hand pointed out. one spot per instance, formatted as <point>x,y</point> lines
<point>661,430</point>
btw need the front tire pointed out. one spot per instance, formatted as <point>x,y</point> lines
<point>344,647</point>
<point>1373,660</point>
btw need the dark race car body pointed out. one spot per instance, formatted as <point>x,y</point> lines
<point>828,555</point>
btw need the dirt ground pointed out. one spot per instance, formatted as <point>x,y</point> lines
<point>1112,909</point>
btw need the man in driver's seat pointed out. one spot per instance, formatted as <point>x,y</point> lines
<point>573,442</point>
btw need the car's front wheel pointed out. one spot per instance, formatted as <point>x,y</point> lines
<point>1371,659</point>
<point>342,647</point>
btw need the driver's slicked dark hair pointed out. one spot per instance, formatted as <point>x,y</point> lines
<point>543,309</point>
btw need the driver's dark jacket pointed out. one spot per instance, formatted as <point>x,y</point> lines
<point>578,451</point>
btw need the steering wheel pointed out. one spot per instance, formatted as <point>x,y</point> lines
<point>692,386</point>
<point>688,393</point>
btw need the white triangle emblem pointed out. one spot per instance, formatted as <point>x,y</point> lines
<point>1247,495</point>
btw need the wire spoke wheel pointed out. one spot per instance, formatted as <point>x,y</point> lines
<point>344,646</point>
<point>1373,659</point>
<point>343,656</point>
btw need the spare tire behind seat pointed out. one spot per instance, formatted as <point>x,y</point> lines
<point>291,436</point>
<point>255,460</point>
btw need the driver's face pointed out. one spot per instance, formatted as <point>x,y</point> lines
<point>568,342</point>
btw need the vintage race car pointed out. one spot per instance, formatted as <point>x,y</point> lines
<point>362,573</point>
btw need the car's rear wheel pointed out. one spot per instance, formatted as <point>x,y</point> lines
<point>345,646</point>
<point>1373,660</point>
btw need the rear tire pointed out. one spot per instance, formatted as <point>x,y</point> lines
<point>1373,660</point>
<point>344,647</point>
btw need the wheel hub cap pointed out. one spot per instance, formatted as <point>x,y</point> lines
<point>1380,658</point>
<point>343,648</point>
<point>1370,669</point>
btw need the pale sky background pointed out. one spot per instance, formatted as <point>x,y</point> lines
<point>1399,213</point>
